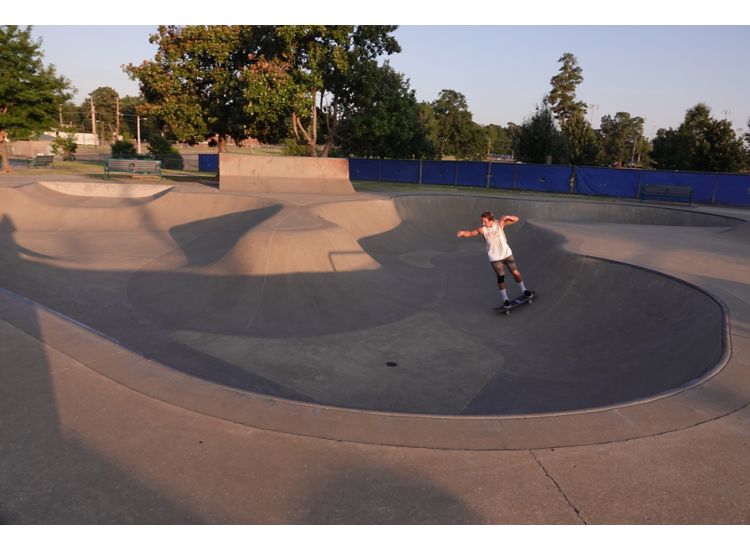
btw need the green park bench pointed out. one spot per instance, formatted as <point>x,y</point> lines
<point>676,193</point>
<point>40,160</point>
<point>132,166</point>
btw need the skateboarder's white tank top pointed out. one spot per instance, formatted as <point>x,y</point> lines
<point>497,244</point>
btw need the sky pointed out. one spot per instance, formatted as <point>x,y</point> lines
<point>656,66</point>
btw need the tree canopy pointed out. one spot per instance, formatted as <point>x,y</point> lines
<point>700,143</point>
<point>31,93</point>
<point>235,80</point>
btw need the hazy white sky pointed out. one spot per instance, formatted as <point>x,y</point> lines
<point>650,70</point>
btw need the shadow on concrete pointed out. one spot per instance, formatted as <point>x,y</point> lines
<point>46,475</point>
<point>382,496</point>
<point>600,334</point>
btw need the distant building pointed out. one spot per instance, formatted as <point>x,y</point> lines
<point>78,138</point>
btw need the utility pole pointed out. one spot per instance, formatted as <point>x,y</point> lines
<point>93,122</point>
<point>138,133</point>
<point>117,119</point>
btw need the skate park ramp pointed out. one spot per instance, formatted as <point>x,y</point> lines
<point>366,302</point>
<point>268,174</point>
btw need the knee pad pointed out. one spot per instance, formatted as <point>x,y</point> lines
<point>501,278</point>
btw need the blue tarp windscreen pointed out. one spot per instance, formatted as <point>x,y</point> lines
<point>733,189</point>
<point>364,169</point>
<point>502,175</point>
<point>543,177</point>
<point>439,172</point>
<point>607,182</point>
<point>702,183</point>
<point>472,174</point>
<point>208,162</point>
<point>401,171</point>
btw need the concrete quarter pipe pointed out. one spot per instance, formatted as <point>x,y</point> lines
<point>367,303</point>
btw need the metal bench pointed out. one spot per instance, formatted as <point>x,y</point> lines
<point>40,160</point>
<point>132,166</point>
<point>677,193</point>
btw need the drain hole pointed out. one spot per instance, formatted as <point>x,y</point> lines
<point>391,364</point>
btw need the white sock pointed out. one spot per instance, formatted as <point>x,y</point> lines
<point>504,293</point>
<point>523,286</point>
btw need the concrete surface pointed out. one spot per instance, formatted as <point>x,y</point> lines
<point>269,174</point>
<point>198,356</point>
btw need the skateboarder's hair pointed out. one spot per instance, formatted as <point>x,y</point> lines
<point>488,215</point>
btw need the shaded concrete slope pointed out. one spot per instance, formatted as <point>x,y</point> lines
<point>370,304</point>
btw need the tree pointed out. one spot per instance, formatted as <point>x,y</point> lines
<point>105,109</point>
<point>457,133</point>
<point>581,140</point>
<point>499,140</point>
<point>539,138</point>
<point>130,107</point>
<point>383,119</point>
<point>623,142</point>
<point>562,98</point>
<point>321,61</point>
<point>31,94</point>
<point>194,83</point>
<point>700,143</point>
<point>232,80</point>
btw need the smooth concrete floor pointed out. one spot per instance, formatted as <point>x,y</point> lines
<point>96,433</point>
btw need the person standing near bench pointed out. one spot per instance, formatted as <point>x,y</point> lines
<point>498,251</point>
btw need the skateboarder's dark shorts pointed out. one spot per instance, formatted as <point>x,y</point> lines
<point>508,262</point>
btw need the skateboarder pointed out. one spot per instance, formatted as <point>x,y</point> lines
<point>498,251</point>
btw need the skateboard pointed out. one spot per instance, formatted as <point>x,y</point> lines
<point>516,302</point>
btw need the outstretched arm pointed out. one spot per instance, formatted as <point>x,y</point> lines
<point>468,233</point>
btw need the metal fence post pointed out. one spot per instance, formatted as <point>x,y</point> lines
<point>713,193</point>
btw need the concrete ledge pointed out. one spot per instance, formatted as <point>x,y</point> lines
<point>96,189</point>
<point>267,174</point>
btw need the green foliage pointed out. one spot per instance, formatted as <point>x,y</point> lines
<point>161,149</point>
<point>232,81</point>
<point>65,146</point>
<point>622,139</point>
<point>383,119</point>
<point>582,142</point>
<point>105,106</point>
<point>30,92</point>
<point>499,140</point>
<point>193,85</point>
<point>700,143</point>
<point>562,98</point>
<point>457,133</point>
<point>123,149</point>
<point>538,138</point>
<point>292,148</point>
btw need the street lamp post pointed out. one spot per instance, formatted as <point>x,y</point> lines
<point>138,133</point>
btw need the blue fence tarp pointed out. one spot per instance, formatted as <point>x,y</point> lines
<point>708,188</point>
<point>733,189</point>
<point>503,176</point>
<point>401,171</point>
<point>472,174</point>
<point>543,177</point>
<point>438,172</point>
<point>208,162</point>
<point>364,169</point>
<point>607,182</point>
<point>702,183</point>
